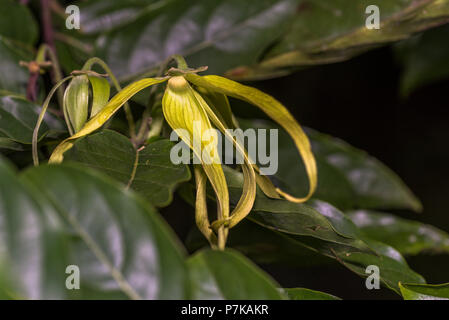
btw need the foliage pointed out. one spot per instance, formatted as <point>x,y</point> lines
<point>94,205</point>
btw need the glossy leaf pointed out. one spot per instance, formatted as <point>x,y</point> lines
<point>219,34</point>
<point>56,216</point>
<point>424,59</point>
<point>229,275</point>
<point>425,292</point>
<point>322,228</point>
<point>407,236</point>
<point>149,171</point>
<point>18,118</point>
<point>348,177</point>
<point>248,39</point>
<point>307,294</point>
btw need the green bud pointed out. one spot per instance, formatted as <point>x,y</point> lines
<point>76,102</point>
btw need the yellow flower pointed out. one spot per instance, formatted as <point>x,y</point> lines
<point>193,104</point>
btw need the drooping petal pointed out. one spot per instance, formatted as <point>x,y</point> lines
<point>188,119</point>
<point>76,102</point>
<point>100,118</point>
<point>201,217</point>
<point>275,110</point>
<point>248,196</point>
<point>100,94</point>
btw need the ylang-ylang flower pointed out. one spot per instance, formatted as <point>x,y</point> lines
<point>193,104</point>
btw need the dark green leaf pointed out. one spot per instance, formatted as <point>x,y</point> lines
<point>347,177</point>
<point>56,216</point>
<point>407,236</point>
<point>325,32</point>
<point>248,39</point>
<point>321,227</point>
<point>13,77</point>
<point>229,275</point>
<point>155,176</point>
<point>425,292</point>
<point>222,35</point>
<point>307,294</point>
<point>18,118</point>
<point>17,22</point>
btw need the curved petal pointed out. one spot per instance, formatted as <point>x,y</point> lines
<point>188,119</point>
<point>248,196</point>
<point>101,117</point>
<point>201,217</point>
<point>275,110</point>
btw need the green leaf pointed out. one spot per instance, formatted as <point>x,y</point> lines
<point>407,236</point>
<point>326,32</point>
<point>229,275</point>
<point>247,39</point>
<point>221,35</point>
<point>347,177</point>
<point>424,59</point>
<point>425,292</point>
<point>56,216</point>
<point>17,22</point>
<point>18,118</point>
<point>322,228</point>
<point>307,294</point>
<point>13,77</point>
<point>150,171</point>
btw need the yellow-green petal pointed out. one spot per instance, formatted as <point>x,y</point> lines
<point>248,196</point>
<point>76,102</point>
<point>188,119</point>
<point>201,217</point>
<point>275,110</point>
<point>100,94</point>
<point>107,112</point>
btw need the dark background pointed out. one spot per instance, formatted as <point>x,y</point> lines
<point>359,102</point>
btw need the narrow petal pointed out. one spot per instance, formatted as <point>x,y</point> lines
<point>189,120</point>
<point>275,110</point>
<point>104,115</point>
<point>201,217</point>
<point>100,94</point>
